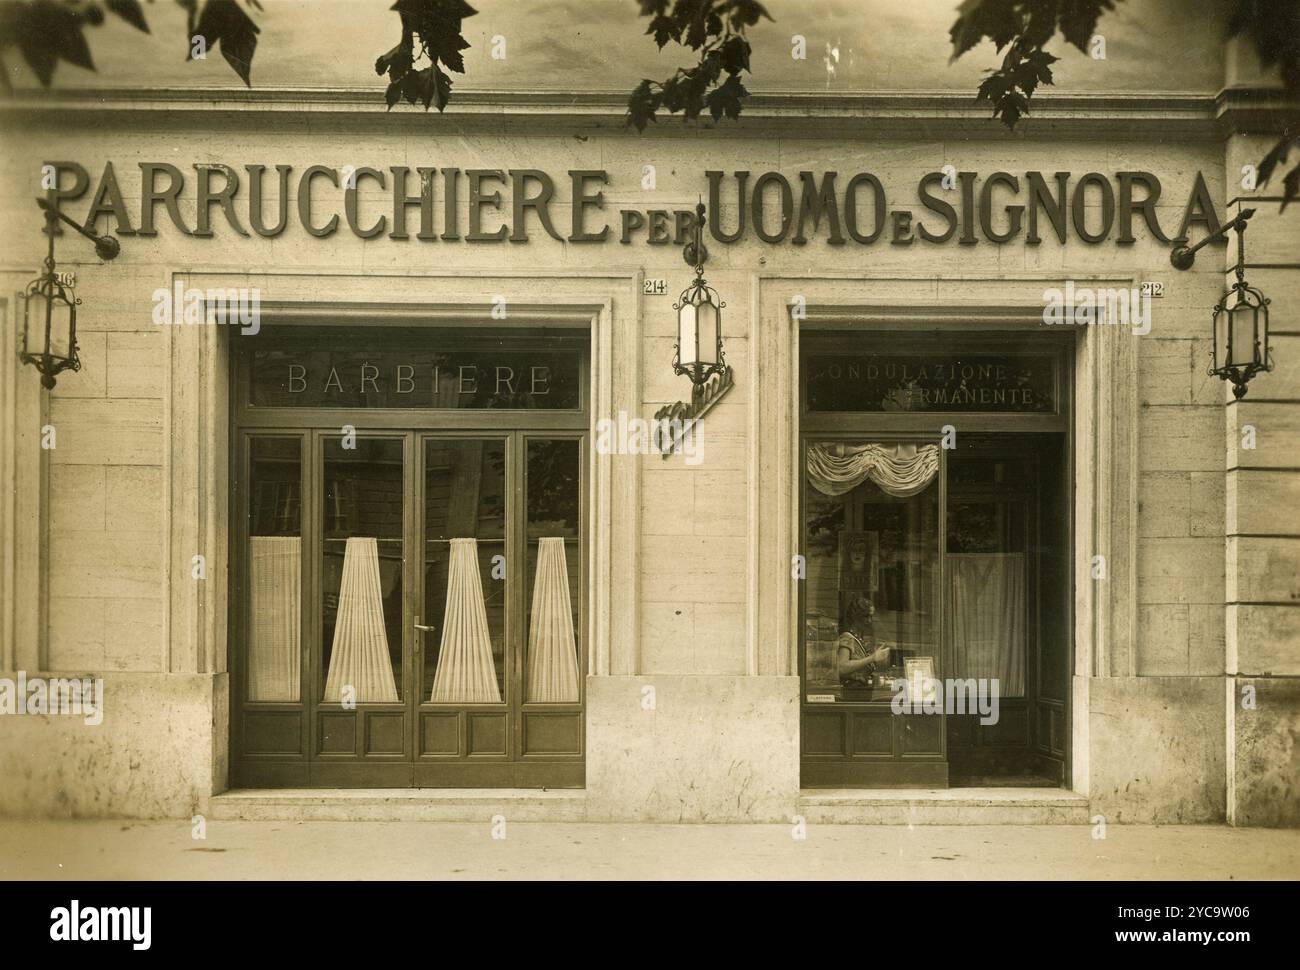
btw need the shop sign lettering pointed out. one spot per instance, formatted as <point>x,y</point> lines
<point>452,205</point>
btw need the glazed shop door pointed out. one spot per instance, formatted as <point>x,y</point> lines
<point>408,600</point>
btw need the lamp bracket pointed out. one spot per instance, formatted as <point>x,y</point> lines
<point>1183,256</point>
<point>703,398</point>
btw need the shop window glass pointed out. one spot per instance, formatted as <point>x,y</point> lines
<point>465,575</point>
<point>361,570</point>
<point>872,546</point>
<point>274,570</point>
<point>552,493</point>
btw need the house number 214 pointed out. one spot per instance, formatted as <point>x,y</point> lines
<point>654,287</point>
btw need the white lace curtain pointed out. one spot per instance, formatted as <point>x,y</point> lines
<point>900,470</point>
<point>466,672</point>
<point>987,614</point>
<point>359,657</point>
<point>275,604</point>
<point>552,649</point>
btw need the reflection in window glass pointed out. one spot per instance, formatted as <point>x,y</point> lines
<point>361,570</point>
<point>275,569</point>
<point>552,500</point>
<point>871,535</point>
<point>465,582</point>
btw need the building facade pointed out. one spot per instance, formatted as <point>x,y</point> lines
<point>356,487</point>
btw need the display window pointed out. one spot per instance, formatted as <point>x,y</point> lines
<point>410,563</point>
<point>935,547</point>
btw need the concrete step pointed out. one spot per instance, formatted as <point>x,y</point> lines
<point>947,806</point>
<point>399,805</point>
<point>952,806</point>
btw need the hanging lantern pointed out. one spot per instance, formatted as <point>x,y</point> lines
<point>699,316</point>
<point>50,306</point>
<point>50,322</point>
<point>1240,329</point>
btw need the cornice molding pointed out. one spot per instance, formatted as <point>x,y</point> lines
<point>911,115</point>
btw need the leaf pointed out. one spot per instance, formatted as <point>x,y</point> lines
<point>746,13</point>
<point>735,54</point>
<point>395,63</point>
<point>130,11</point>
<point>664,30</point>
<point>642,105</point>
<point>58,26</point>
<point>976,19</point>
<point>1292,186</point>
<point>1276,155</point>
<point>45,31</point>
<point>441,91</point>
<point>1078,20</point>
<point>224,24</point>
<point>725,100</point>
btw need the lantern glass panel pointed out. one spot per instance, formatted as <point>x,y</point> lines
<point>61,330</point>
<point>34,324</point>
<point>688,333</point>
<point>1241,321</point>
<point>709,317</point>
<point>38,304</point>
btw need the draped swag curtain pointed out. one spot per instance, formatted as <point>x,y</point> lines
<point>466,672</point>
<point>274,653</point>
<point>552,649</point>
<point>987,618</point>
<point>899,470</point>
<point>359,657</point>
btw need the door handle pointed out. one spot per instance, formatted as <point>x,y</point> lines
<point>422,628</point>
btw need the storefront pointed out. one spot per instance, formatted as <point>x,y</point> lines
<point>390,523</point>
<point>955,544</point>
<point>444,593</point>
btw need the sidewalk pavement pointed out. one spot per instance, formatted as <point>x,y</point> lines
<point>126,849</point>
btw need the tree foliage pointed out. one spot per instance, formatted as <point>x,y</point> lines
<point>1023,28</point>
<point>1273,26</point>
<point>431,40</point>
<point>715,30</point>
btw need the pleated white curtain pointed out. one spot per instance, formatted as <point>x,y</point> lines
<point>552,649</point>
<point>359,657</point>
<point>900,470</point>
<point>466,673</point>
<point>275,605</point>
<point>987,617</point>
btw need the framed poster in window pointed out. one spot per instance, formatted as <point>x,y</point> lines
<point>859,561</point>
<point>921,683</point>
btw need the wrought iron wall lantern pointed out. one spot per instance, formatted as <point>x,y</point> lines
<point>50,305</point>
<point>698,353</point>
<point>1240,322</point>
<point>699,315</point>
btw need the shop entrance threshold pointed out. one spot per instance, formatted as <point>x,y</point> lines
<point>886,806</point>
<point>399,804</point>
<point>944,806</point>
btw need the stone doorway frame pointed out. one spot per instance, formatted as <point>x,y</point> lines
<point>1104,459</point>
